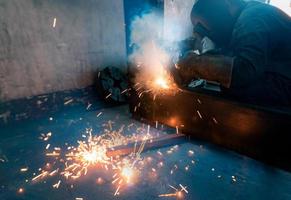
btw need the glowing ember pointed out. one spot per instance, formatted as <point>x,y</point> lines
<point>20,191</point>
<point>99,181</point>
<point>179,194</point>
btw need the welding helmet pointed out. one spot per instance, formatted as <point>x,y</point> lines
<point>213,19</point>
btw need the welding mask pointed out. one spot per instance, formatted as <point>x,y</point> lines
<point>201,31</point>
<point>213,20</point>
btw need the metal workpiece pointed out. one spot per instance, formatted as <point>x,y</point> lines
<point>255,131</point>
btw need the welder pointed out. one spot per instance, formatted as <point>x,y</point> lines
<point>252,59</point>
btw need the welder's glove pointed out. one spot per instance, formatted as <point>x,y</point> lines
<point>209,67</point>
<point>174,72</point>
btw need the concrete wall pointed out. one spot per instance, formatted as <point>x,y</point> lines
<point>37,58</point>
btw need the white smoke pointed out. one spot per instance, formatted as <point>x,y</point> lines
<point>148,54</point>
<point>152,32</point>
<point>177,23</point>
<point>146,28</point>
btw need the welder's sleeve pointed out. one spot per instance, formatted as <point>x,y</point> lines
<point>250,44</point>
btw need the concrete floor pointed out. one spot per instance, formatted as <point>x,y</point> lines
<point>210,177</point>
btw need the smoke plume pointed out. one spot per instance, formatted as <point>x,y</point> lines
<point>146,39</point>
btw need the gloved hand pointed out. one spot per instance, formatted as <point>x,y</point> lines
<point>179,71</point>
<point>174,72</point>
<point>210,67</point>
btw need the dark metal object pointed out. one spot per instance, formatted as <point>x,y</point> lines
<point>112,84</point>
<point>255,131</point>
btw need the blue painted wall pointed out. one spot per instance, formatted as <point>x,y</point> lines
<point>133,8</point>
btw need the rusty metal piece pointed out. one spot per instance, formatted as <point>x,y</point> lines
<point>150,144</point>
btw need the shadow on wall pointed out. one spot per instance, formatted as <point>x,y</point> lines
<point>55,45</point>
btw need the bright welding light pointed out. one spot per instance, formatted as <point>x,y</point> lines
<point>127,173</point>
<point>161,82</point>
<point>90,156</point>
<point>95,155</point>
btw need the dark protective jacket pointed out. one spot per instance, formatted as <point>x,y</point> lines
<point>261,47</point>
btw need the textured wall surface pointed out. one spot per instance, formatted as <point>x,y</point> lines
<point>37,58</point>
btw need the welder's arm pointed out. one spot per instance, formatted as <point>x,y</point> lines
<point>231,72</point>
<point>216,68</point>
<point>250,41</point>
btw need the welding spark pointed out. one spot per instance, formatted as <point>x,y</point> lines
<point>117,191</point>
<point>108,96</point>
<point>190,152</point>
<point>183,188</point>
<point>24,169</point>
<point>124,91</point>
<point>40,176</point>
<point>99,114</point>
<point>177,130</point>
<point>89,105</point>
<point>94,156</point>
<point>178,193</point>
<point>214,120</point>
<point>199,114</point>
<point>54,23</point>
<point>127,173</point>
<point>57,185</point>
<point>92,151</point>
<point>88,153</point>
<point>68,102</point>
<point>156,84</point>
<point>45,137</point>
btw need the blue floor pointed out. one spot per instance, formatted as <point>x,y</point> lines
<point>213,173</point>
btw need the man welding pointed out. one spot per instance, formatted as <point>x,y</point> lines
<point>252,60</point>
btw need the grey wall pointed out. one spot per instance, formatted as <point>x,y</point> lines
<point>36,58</point>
